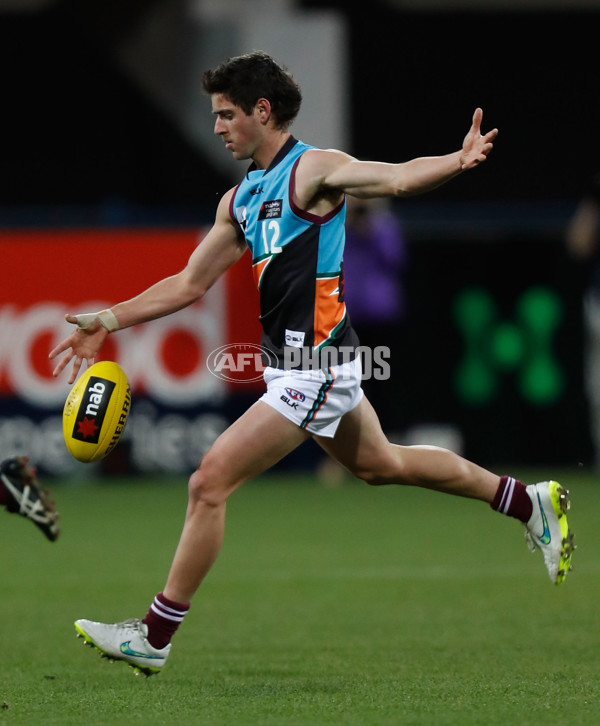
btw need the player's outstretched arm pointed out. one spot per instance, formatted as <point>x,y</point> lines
<point>218,251</point>
<point>334,170</point>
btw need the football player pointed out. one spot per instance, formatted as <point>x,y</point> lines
<point>289,211</point>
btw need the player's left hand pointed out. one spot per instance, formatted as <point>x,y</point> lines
<point>476,146</point>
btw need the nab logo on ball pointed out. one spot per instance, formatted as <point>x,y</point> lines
<point>96,411</point>
<point>92,410</point>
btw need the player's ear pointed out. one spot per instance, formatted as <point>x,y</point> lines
<point>262,109</point>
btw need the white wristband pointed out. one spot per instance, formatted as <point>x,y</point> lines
<point>106,318</point>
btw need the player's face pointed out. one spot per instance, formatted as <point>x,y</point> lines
<point>239,131</point>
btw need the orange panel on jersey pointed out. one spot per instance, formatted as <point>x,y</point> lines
<point>329,311</point>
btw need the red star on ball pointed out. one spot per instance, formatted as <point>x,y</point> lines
<point>87,427</point>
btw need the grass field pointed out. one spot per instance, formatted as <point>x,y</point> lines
<point>346,605</point>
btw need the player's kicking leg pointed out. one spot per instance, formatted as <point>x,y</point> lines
<point>254,443</point>
<point>361,446</point>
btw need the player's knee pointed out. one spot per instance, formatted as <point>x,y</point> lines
<point>371,475</point>
<point>380,470</point>
<point>208,484</point>
<point>373,479</point>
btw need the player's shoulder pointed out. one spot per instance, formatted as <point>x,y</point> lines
<point>317,156</point>
<point>225,215</point>
<point>319,163</point>
<point>225,201</point>
<point>228,195</point>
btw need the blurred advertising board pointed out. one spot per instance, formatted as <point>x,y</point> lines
<point>180,406</point>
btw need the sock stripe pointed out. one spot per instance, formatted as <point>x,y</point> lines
<point>168,608</point>
<point>163,614</point>
<point>507,495</point>
<point>512,499</point>
<point>166,611</point>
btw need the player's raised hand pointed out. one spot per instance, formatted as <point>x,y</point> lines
<point>476,146</point>
<point>83,344</point>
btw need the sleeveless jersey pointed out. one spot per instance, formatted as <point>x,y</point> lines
<point>297,264</point>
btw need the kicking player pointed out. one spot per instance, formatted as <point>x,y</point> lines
<point>289,211</point>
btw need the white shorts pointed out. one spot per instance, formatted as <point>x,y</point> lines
<point>315,400</point>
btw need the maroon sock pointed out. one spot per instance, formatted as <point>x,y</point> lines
<point>512,499</point>
<point>3,494</point>
<point>163,618</point>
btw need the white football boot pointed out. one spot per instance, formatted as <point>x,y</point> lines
<point>126,641</point>
<point>548,530</point>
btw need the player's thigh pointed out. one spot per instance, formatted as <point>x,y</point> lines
<point>360,443</point>
<point>252,444</point>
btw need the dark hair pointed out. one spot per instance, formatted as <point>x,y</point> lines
<point>246,78</point>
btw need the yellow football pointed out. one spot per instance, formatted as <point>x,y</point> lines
<point>96,411</point>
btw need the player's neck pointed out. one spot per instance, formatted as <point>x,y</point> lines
<point>270,148</point>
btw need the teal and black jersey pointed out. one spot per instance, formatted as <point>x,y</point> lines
<point>296,260</point>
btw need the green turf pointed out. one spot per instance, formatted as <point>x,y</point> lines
<point>344,605</point>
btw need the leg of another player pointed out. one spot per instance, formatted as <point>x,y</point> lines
<point>250,446</point>
<point>362,447</point>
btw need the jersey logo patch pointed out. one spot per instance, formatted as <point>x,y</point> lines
<point>294,338</point>
<point>270,209</point>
